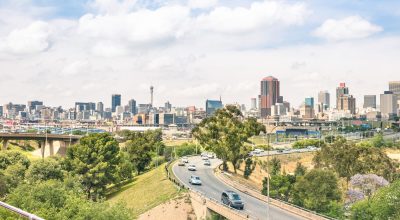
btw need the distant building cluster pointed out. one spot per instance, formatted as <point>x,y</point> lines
<point>269,105</point>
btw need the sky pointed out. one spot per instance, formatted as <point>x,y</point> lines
<point>192,50</point>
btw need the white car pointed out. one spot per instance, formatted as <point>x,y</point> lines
<point>185,160</point>
<point>210,156</point>
<point>207,163</point>
<point>195,180</point>
<point>192,167</point>
<point>205,157</point>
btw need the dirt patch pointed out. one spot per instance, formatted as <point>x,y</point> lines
<point>393,154</point>
<point>176,209</point>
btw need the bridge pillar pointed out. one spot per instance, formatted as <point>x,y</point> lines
<point>42,146</point>
<point>5,144</point>
<point>63,148</point>
<point>51,146</point>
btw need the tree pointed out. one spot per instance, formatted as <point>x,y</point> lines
<point>275,166</point>
<point>53,200</point>
<point>141,146</point>
<point>42,170</point>
<point>225,133</point>
<point>95,160</point>
<point>348,159</point>
<point>281,186</point>
<point>248,169</point>
<point>12,157</point>
<point>365,185</point>
<point>318,190</point>
<point>384,204</point>
<point>300,170</point>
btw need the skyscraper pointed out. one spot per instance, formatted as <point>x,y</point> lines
<point>388,104</point>
<point>168,107</point>
<point>253,103</point>
<point>394,86</point>
<point>340,91</point>
<point>212,106</point>
<point>151,96</point>
<point>369,101</point>
<point>115,101</point>
<point>32,105</point>
<point>100,107</point>
<point>324,98</point>
<point>309,102</point>
<point>132,106</point>
<point>269,95</point>
<point>347,103</point>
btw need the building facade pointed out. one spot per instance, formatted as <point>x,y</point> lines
<point>369,101</point>
<point>269,95</point>
<point>212,106</point>
<point>388,104</point>
<point>324,98</point>
<point>115,101</point>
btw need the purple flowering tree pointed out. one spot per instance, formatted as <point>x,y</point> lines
<point>364,186</point>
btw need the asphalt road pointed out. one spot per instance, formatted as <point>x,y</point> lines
<point>213,188</point>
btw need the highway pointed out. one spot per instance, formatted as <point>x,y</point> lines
<point>213,188</point>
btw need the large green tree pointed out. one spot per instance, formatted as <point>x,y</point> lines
<point>141,146</point>
<point>348,159</point>
<point>225,133</point>
<point>54,200</point>
<point>94,160</point>
<point>317,190</point>
<point>46,169</point>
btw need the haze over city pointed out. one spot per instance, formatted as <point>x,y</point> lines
<point>64,51</point>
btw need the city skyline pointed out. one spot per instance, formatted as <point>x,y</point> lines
<point>60,52</point>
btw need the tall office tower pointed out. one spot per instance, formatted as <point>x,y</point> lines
<point>394,86</point>
<point>269,95</point>
<point>1,111</point>
<point>369,101</point>
<point>212,106</point>
<point>100,107</point>
<point>324,98</point>
<point>151,96</point>
<point>309,102</point>
<point>115,101</point>
<point>253,103</point>
<point>132,106</point>
<point>347,103</point>
<point>32,105</point>
<point>92,106</point>
<point>388,105</point>
<point>168,107</point>
<point>341,91</point>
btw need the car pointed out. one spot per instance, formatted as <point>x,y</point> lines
<point>280,151</point>
<point>192,167</point>
<point>205,157</point>
<point>181,163</point>
<point>185,159</point>
<point>210,156</point>
<point>195,180</point>
<point>207,163</point>
<point>232,199</point>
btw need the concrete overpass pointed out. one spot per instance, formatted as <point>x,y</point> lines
<point>44,140</point>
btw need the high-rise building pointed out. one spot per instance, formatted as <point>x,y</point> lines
<point>212,106</point>
<point>369,101</point>
<point>100,107</point>
<point>394,86</point>
<point>269,95</point>
<point>347,103</point>
<point>168,107</point>
<point>151,96</point>
<point>340,91</point>
<point>1,111</point>
<point>32,105</point>
<point>115,101</point>
<point>84,106</point>
<point>309,101</point>
<point>132,106</point>
<point>388,104</point>
<point>253,103</point>
<point>324,98</point>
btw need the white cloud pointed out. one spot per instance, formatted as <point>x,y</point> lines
<point>353,27</point>
<point>112,6</point>
<point>141,28</point>
<point>258,16</point>
<point>28,40</point>
<point>202,3</point>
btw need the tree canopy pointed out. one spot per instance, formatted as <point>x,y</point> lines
<point>225,133</point>
<point>94,160</point>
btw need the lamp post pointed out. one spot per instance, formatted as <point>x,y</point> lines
<point>268,175</point>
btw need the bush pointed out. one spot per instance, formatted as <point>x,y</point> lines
<point>308,142</point>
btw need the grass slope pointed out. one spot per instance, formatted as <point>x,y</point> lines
<point>146,191</point>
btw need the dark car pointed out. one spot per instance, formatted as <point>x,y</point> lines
<point>232,199</point>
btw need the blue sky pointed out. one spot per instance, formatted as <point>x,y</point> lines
<point>191,50</point>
